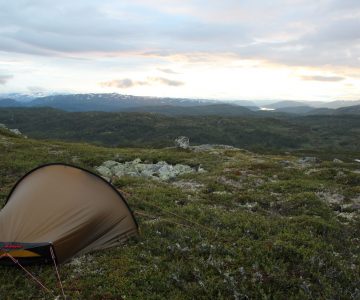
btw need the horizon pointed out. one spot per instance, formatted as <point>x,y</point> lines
<point>254,50</point>
<point>261,103</point>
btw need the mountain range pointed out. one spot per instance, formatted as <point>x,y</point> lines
<point>112,102</point>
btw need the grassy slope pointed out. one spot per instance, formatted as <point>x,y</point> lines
<point>270,234</point>
<point>262,132</point>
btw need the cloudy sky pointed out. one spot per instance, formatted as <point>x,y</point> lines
<point>228,49</point>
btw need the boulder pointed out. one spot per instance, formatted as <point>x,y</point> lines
<point>104,171</point>
<point>161,170</point>
<point>182,142</point>
<point>337,161</point>
<point>109,164</point>
<point>15,131</point>
<point>308,160</point>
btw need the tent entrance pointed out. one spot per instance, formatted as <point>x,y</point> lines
<point>25,253</point>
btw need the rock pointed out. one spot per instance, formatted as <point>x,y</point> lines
<point>308,160</point>
<point>347,215</point>
<point>75,159</point>
<point>15,131</point>
<point>136,161</point>
<point>161,170</point>
<point>331,198</point>
<point>104,171</point>
<point>337,161</point>
<point>109,164</point>
<point>182,142</point>
<point>183,169</point>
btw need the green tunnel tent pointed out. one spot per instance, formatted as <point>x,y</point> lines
<point>65,209</point>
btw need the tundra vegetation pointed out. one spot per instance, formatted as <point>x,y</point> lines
<point>249,226</point>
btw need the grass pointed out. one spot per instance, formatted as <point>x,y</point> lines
<point>262,231</point>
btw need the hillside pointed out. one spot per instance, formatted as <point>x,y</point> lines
<point>250,225</point>
<point>254,132</point>
<point>350,110</point>
<point>203,110</point>
<point>107,102</point>
<point>9,103</point>
<point>301,110</point>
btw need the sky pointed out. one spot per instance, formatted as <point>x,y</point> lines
<point>228,49</point>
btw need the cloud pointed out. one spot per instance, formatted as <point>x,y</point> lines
<point>323,78</point>
<point>5,78</point>
<point>167,71</point>
<point>122,83</point>
<point>129,83</point>
<point>300,32</point>
<point>165,81</point>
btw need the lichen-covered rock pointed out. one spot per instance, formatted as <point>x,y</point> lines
<point>104,171</point>
<point>109,164</point>
<point>182,142</point>
<point>337,161</point>
<point>331,198</point>
<point>160,171</point>
<point>15,131</point>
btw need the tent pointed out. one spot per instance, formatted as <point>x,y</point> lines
<point>57,211</point>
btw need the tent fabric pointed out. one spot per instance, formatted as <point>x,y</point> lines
<point>26,253</point>
<point>71,208</point>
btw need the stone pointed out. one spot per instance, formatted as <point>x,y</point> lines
<point>182,142</point>
<point>104,171</point>
<point>109,164</point>
<point>159,171</point>
<point>308,160</point>
<point>337,161</point>
<point>15,131</point>
<point>331,198</point>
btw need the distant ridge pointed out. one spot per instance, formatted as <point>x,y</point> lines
<point>117,103</point>
<point>9,103</point>
<point>113,102</point>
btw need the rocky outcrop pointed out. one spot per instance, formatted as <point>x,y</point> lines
<point>182,142</point>
<point>160,171</point>
<point>14,131</point>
